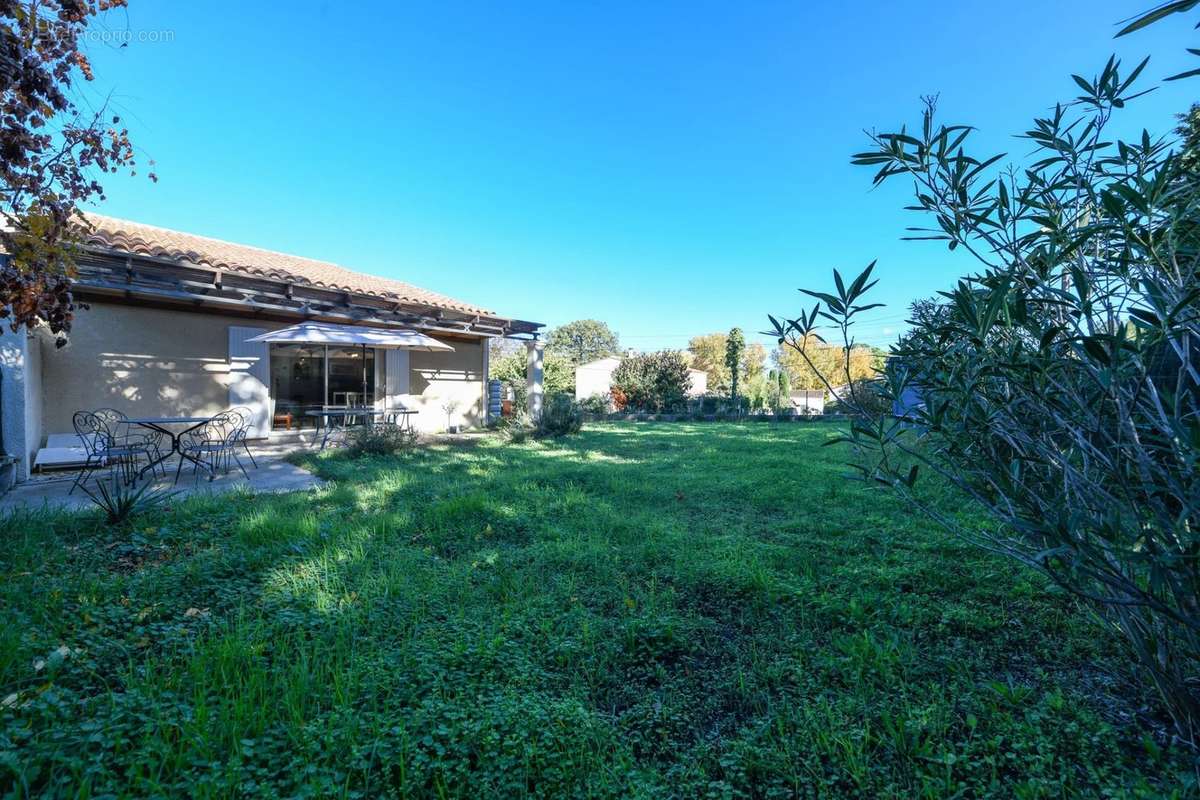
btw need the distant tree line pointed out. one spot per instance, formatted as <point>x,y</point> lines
<point>750,385</point>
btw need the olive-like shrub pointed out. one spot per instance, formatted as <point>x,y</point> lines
<point>1059,386</point>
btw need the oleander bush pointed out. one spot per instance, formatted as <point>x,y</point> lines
<point>1058,388</point>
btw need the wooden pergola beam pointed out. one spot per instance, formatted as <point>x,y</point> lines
<point>102,272</point>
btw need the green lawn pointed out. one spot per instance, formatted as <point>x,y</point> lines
<point>646,610</point>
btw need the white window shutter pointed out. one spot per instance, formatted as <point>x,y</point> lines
<point>397,377</point>
<point>250,371</point>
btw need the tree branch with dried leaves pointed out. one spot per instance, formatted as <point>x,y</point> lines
<point>52,155</point>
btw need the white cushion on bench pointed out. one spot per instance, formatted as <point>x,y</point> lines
<point>60,457</point>
<point>64,440</point>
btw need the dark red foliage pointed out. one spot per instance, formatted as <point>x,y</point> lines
<point>51,154</point>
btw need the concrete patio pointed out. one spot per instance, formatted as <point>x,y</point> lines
<point>273,474</point>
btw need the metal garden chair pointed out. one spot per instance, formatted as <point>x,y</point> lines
<point>127,435</point>
<point>103,449</point>
<point>246,416</point>
<point>215,445</point>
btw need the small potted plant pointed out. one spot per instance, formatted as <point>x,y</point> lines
<point>450,406</point>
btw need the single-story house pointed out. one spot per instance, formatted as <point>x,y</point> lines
<point>168,327</point>
<point>595,378</point>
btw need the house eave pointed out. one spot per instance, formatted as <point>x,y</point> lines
<point>111,274</point>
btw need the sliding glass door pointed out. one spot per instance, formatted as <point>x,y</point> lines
<point>309,377</point>
<point>348,372</point>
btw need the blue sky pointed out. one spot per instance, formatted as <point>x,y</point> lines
<point>670,168</point>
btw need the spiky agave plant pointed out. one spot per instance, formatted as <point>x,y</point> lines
<point>121,501</point>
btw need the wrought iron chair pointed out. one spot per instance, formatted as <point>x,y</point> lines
<point>126,435</point>
<point>246,417</point>
<point>331,429</point>
<point>103,449</point>
<point>214,444</point>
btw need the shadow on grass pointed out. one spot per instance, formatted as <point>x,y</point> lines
<point>687,604</point>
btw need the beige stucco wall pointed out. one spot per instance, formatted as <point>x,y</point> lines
<point>143,361</point>
<point>151,362</point>
<point>439,378</point>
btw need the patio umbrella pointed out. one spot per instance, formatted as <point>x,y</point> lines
<point>326,333</point>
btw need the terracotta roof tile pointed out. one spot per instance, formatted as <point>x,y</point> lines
<point>140,239</point>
